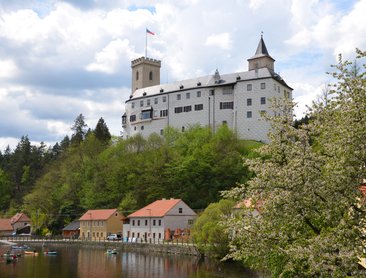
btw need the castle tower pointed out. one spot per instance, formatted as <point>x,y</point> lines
<point>261,58</point>
<point>145,73</point>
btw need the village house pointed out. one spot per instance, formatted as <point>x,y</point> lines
<point>72,230</point>
<point>21,223</point>
<point>98,224</point>
<point>158,220</point>
<point>6,229</point>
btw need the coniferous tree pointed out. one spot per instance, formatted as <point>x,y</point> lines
<point>102,132</point>
<point>79,129</point>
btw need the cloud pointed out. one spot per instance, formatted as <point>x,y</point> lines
<point>8,69</point>
<point>222,40</point>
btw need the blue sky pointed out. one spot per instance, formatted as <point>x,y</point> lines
<point>62,58</point>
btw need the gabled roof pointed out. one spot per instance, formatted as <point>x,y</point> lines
<point>5,225</point>
<point>98,214</point>
<point>20,216</point>
<point>158,208</point>
<point>75,225</point>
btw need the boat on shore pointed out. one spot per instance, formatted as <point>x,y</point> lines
<point>31,253</point>
<point>20,247</point>
<point>50,253</point>
<point>112,251</point>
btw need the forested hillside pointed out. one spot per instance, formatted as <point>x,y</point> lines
<point>57,184</point>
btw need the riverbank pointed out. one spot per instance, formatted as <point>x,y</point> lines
<point>167,248</point>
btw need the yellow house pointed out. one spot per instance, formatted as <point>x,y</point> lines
<point>98,224</point>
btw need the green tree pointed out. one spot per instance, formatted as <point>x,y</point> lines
<point>101,131</point>
<point>311,222</point>
<point>79,129</point>
<point>209,232</point>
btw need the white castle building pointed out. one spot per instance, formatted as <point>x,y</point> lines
<point>235,99</point>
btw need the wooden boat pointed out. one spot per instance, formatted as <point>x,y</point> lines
<point>112,251</point>
<point>31,253</point>
<point>20,247</point>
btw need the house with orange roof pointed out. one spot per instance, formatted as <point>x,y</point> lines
<point>99,223</point>
<point>158,220</point>
<point>21,223</point>
<point>6,229</point>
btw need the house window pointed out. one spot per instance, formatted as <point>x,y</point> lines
<point>148,102</point>
<point>249,87</point>
<point>227,105</point>
<point>164,99</point>
<point>190,221</point>
<point>137,75</point>
<point>141,103</point>
<point>97,234</point>
<point>159,235</point>
<point>154,222</point>
<point>153,235</point>
<point>182,128</point>
<point>132,105</point>
<point>101,234</point>
<point>180,210</point>
<point>156,100</point>
<point>249,101</point>
<point>178,109</point>
<point>142,127</point>
<point>263,100</point>
<point>198,107</point>
<point>263,86</point>
<point>178,96</point>
<point>164,113</point>
<point>161,131</point>
<point>150,75</point>
<point>133,234</point>
<point>198,93</point>
<point>145,222</point>
<point>133,222</point>
<point>249,114</point>
<point>134,128</point>
<point>188,95</point>
<point>138,235</point>
<point>159,222</point>
<point>187,108</point>
<point>138,223</point>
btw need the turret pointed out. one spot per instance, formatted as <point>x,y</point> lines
<point>261,58</point>
<point>145,73</point>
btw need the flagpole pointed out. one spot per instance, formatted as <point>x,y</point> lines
<point>146,43</point>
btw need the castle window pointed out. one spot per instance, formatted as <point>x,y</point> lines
<point>132,118</point>
<point>182,128</point>
<point>132,105</point>
<point>227,91</point>
<point>188,95</point>
<point>141,103</point>
<point>142,128</point>
<point>263,86</point>
<point>150,75</point>
<point>124,119</point>
<point>187,108</point>
<point>178,109</point>
<point>249,101</point>
<point>134,128</point>
<point>148,102</point>
<point>156,100</point>
<point>249,114</point>
<point>263,100</point>
<point>161,133</point>
<point>227,105</point>
<point>164,99</point>
<point>249,87</point>
<point>147,114</point>
<point>198,107</point>
<point>198,93</point>
<point>137,75</point>
<point>164,113</point>
<point>178,96</point>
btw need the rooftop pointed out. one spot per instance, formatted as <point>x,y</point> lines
<point>98,214</point>
<point>158,208</point>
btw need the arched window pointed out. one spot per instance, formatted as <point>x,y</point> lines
<point>150,75</point>
<point>137,75</point>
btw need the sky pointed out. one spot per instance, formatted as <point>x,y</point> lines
<point>59,59</point>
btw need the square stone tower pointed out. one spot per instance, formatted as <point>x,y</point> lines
<point>145,73</point>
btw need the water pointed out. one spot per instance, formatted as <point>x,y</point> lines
<point>72,261</point>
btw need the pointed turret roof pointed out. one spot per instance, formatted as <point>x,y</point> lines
<point>261,50</point>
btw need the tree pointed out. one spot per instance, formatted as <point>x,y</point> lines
<point>79,129</point>
<point>308,181</point>
<point>209,231</point>
<point>102,132</point>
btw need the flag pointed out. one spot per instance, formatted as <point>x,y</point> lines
<point>149,32</point>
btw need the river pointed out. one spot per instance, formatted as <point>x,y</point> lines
<point>86,262</point>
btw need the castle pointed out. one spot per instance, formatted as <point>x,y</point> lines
<point>235,99</point>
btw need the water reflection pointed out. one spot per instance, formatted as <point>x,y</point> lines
<point>85,262</point>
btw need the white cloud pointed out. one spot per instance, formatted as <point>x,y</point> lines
<point>255,4</point>
<point>222,40</point>
<point>8,69</point>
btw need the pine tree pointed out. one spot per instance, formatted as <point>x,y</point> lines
<point>102,132</point>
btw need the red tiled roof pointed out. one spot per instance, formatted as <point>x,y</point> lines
<point>98,214</point>
<point>156,209</point>
<point>5,225</point>
<point>20,216</point>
